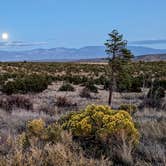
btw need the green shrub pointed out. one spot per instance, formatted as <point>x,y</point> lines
<point>129,84</point>
<point>133,84</point>
<point>156,93</point>
<point>53,133</point>
<point>67,87</point>
<point>31,83</point>
<point>9,88</point>
<point>91,87</point>
<point>160,83</point>
<point>136,84</point>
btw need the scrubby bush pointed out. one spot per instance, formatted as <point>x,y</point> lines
<point>130,108</point>
<point>15,101</point>
<point>106,84</point>
<point>36,127</point>
<point>154,98</point>
<point>31,83</point>
<point>149,103</point>
<point>66,87</point>
<point>91,87</point>
<point>53,133</point>
<point>136,84</point>
<point>9,88</point>
<point>64,153</point>
<point>85,93</point>
<point>74,79</point>
<point>48,109</point>
<point>36,130</point>
<point>99,127</point>
<point>62,101</point>
<point>160,83</point>
<point>132,84</point>
<point>156,93</point>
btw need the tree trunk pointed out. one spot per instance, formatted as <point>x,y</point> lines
<point>112,84</point>
<point>110,95</point>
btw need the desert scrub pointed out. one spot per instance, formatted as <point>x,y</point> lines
<point>62,101</point>
<point>85,93</point>
<point>66,87</point>
<point>156,93</point>
<point>29,83</point>
<point>130,108</point>
<point>38,132</point>
<point>100,128</point>
<point>36,127</point>
<point>63,153</point>
<point>91,86</point>
<point>154,98</point>
<point>15,101</point>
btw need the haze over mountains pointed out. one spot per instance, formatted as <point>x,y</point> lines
<point>60,54</point>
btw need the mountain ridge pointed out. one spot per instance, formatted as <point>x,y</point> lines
<point>59,53</point>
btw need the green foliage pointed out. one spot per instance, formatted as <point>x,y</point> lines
<point>156,93</point>
<point>66,87</point>
<point>126,84</point>
<point>91,87</point>
<point>75,79</point>
<point>119,62</point>
<point>136,84</point>
<point>117,47</point>
<point>129,79</point>
<point>31,83</point>
<point>53,133</point>
<point>160,83</point>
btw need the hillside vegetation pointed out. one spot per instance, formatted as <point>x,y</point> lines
<point>58,114</point>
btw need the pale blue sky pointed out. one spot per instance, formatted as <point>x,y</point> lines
<point>78,23</point>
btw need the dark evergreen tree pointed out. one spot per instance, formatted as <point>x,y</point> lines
<point>119,58</point>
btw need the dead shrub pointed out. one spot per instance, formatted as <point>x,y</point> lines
<point>15,101</point>
<point>85,93</point>
<point>62,101</point>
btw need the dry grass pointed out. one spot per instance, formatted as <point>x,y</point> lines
<point>63,153</point>
<point>152,126</point>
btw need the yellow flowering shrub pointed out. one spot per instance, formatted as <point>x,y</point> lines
<point>37,131</point>
<point>101,122</point>
<point>36,127</point>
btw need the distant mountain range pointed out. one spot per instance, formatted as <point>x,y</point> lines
<point>65,54</point>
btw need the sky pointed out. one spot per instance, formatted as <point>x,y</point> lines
<point>78,23</point>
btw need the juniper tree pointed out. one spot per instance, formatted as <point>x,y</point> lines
<point>119,57</point>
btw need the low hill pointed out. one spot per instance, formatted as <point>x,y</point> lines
<point>151,57</point>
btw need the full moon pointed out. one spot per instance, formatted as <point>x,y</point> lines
<point>5,36</point>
